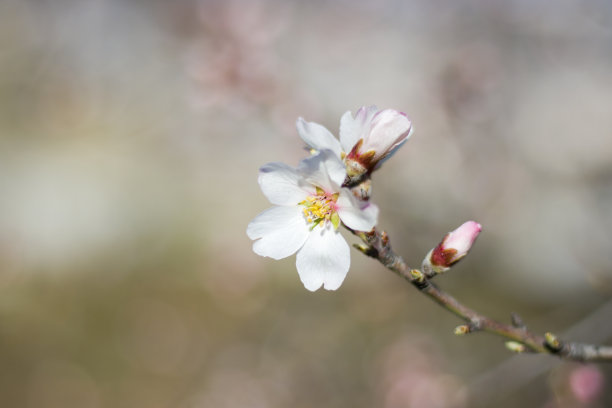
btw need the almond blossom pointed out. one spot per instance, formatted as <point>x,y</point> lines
<point>367,138</point>
<point>309,206</point>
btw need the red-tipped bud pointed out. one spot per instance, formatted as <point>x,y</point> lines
<point>454,246</point>
<point>375,136</point>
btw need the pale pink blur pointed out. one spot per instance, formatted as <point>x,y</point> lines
<point>586,383</point>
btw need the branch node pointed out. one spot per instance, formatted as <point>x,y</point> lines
<point>517,321</point>
<point>427,269</point>
<point>552,343</point>
<point>384,237</point>
<point>476,324</point>
<point>417,276</point>
<point>367,250</point>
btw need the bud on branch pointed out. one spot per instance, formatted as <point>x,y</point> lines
<point>376,135</point>
<point>454,246</point>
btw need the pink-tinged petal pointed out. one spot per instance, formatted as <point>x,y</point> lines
<point>283,185</point>
<point>389,128</point>
<point>324,259</point>
<point>280,231</point>
<point>462,238</point>
<point>394,149</point>
<point>355,214</point>
<point>353,128</point>
<point>317,136</point>
<point>324,170</point>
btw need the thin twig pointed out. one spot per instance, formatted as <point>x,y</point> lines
<point>378,246</point>
<point>514,373</point>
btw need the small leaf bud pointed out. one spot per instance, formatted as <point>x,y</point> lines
<point>552,341</point>
<point>515,346</point>
<point>417,275</point>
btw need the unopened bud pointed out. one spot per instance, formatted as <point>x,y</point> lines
<point>417,275</point>
<point>515,346</point>
<point>454,246</point>
<point>375,135</point>
<point>461,330</point>
<point>552,341</point>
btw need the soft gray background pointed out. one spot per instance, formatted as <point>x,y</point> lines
<point>130,137</point>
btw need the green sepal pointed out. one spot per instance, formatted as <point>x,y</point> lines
<point>315,223</point>
<point>335,220</point>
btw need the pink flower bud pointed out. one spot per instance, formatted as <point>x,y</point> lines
<point>454,246</point>
<point>373,137</point>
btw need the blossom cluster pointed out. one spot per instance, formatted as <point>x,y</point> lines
<point>313,200</point>
<point>329,189</point>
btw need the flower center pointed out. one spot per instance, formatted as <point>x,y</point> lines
<point>320,208</point>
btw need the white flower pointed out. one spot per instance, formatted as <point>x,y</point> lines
<point>309,206</point>
<point>367,139</point>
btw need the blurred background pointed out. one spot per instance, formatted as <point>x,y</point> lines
<point>130,137</point>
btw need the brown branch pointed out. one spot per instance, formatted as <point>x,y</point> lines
<point>377,246</point>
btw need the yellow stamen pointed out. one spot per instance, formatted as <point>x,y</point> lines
<point>320,207</point>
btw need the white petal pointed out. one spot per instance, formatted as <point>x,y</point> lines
<point>280,231</point>
<point>355,214</point>
<point>283,185</point>
<point>394,150</point>
<point>325,170</point>
<point>317,136</point>
<point>389,128</point>
<point>353,128</point>
<point>324,259</point>
<point>334,167</point>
